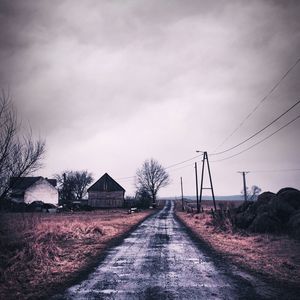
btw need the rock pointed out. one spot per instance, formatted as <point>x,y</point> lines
<point>265,223</point>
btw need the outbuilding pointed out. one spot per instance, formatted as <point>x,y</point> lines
<point>106,193</point>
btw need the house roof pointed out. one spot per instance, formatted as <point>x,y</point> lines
<point>23,183</point>
<point>106,184</point>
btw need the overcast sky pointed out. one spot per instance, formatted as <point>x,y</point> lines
<point>109,84</point>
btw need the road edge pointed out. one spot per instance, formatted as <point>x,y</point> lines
<point>286,290</point>
<point>58,291</point>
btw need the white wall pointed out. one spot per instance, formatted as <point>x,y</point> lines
<point>42,190</point>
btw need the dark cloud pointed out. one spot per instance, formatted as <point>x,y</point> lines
<point>157,78</point>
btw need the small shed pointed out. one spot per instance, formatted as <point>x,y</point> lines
<point>30,189</point>
<point>106,193</point>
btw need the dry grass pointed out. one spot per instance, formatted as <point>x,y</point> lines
<point>277,257</point>
<point>207,205</point>
<point>39,252</point>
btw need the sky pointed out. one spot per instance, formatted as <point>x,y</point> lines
<point>109,84</point>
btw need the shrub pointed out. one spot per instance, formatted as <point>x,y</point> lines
<point>265,223</point>
<point>271,213</point>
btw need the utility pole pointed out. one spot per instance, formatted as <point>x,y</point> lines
<point>244,183</point>
<point>197,195</point>
<point>205,159</point>
<point>181,193</point>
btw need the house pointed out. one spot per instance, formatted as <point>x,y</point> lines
<point>30,189</point>
<point>106,193</point>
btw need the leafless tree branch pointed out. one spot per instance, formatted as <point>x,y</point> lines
<point>19,155</point>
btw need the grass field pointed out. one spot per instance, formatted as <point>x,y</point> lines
<point>40,253</point>
<point>208,204</point>
<point>275,256</point>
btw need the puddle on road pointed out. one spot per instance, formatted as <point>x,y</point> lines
<point>108,291</point>
<point>162,236</point>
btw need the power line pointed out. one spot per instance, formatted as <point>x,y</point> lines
<point>182,162</point>
<point>260,103</point>
<point>258,132</point>
<point>259,141</point>
<point>271,171</point>
<point>181,167</point>
<point>171,166</point>
<point>123,178</point>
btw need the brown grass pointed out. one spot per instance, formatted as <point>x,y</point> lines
<point>39,252</point>
<point>277,257</point>
<point>208,204</point>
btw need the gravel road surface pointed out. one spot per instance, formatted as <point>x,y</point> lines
<point>159,260</point>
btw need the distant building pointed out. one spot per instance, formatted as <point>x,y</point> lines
<point>30,189</point>
<point>106,193</point>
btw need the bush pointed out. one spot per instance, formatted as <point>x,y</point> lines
<point>265,223</point>
<point>282,209</point>
<point>138,202</point>
<point>271,213</point>
<point>246,213</point>
<point>265,198</point>
<point>294,224</point>
<point>290,196</point>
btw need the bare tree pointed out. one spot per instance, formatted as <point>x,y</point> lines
<point>151,177</point>
<point>252,193</point>
<point>20,154</point>
<point>82,179</point>
<point>73,185</point>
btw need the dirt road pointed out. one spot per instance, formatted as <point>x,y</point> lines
<point>160,261</point>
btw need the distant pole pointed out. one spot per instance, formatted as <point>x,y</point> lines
<point>244,183</point>
<point>245,186</point>
<point>197,195</point>
<point>181,193</point>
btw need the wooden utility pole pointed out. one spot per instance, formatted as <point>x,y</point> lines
<point>205,159</point>
<point>197,189</point>
<point>181,193</point>
<point>244,184</point>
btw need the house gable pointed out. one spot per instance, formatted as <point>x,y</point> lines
<point>41,190</point>
<point>106,184</point>
<point>106,193</point>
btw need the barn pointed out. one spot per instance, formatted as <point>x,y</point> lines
<point>29,189</point>
<point>106,193</point>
